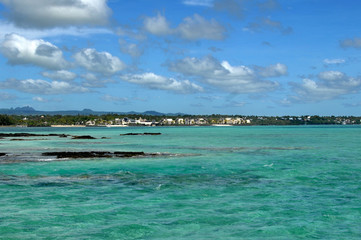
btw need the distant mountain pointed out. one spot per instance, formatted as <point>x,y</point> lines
<point>19,110</point>
<point>153,113</point>
<point>27,110</point>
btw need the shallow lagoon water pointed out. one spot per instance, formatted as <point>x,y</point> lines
<point>301,182</point>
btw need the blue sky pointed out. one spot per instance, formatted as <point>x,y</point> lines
<point>260,57</point>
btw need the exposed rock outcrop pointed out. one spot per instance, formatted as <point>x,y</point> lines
<point>31,135</point>
<point>83,137</point>
<point>96,154</point>
<point>135,134</point>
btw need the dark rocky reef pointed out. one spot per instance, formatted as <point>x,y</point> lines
<point>83,137</point>
<point>135,134</point>
<point>2,135</point>
<point>7,135</point>
<point>96,154</point>
<point>22,139</point>
<point>131,154</point>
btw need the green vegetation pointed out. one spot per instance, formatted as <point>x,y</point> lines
<point>6,120</point>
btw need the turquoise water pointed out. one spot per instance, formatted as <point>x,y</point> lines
<point>300,182</point>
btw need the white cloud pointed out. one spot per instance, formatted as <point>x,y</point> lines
<point>6,28</point>
<point>238,104</point>
<point>157,25</point>
<point>268,24</point>
<point>62,75</point>
<point>234,79</point>
<point>41,86</point>
<point>57,13</point>
<point>191,28</point>
<point>334,61</point>
<point>269,5</point>
<point>94,81</point>
<point>19,50</point>
<point>153,81</point>
<point>110,98</point>
<point>232,7</point>
<point>39,99</point>
<point>351,43</point>
<point>330,85</point>
<point>100,62</point>
<point>196,27</point>
<point>4,96</point>
<point>204,3</point>
<point>89,77</point>
<point>332,76</point>
<point>273,70</point>
<point>130,48</point>
<point>126,31</point>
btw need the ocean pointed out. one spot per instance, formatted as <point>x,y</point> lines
<point>246,182</point>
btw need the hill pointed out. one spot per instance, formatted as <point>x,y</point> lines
<point>27,110</point>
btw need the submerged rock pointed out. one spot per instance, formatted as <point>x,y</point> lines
<point>83,137</point>
<point>128,154</point>
<point>22,139</point>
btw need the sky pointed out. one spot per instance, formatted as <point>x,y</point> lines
<point>239,57</point>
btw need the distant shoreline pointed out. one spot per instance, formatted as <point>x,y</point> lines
<point>67,126</point>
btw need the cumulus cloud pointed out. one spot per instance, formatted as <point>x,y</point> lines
<point>196,27</point>
<point>39,99</point>
<point>131,49</point>
<point>93,81</point>
<point>62,75</point>
<point>234,79</point>
<point>332,76</point>
<point>351,43</point>
<point>157,25</point>
<point>330,85</point>
<point>126,31</point>
<point>273,70</point>
<point>191,28</point>
<point>334,61</point>
<point>204,3</point>
<point>153,81</point>
<point>100,62</point>
<point>19,50</point>
<point>89,77</point>
<point>57,13</point>
<point>39,86</point>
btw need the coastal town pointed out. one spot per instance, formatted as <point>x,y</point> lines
<point>114,120</point>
